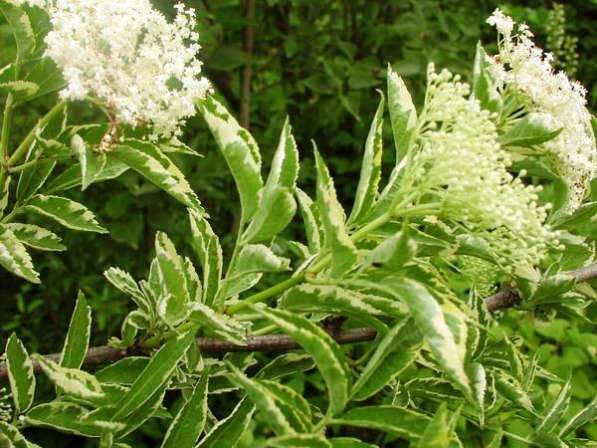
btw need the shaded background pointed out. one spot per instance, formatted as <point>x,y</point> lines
<point>319,62</point>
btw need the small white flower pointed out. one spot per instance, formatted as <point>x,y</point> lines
<point>126,55</point>
<point>503,23</point>
<point>523,68</point>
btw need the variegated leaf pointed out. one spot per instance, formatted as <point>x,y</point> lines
<point>124,282</point>
<point>342,249</point>
<point>92,162</point>
<point>36,237</point>
<point>403,114</point>
<point>20,374</point>
<point>14,256</point>
<point>77,338</point>
<point>222,325</point>
<point>73,382</point>
<point>310,221</point>
<point>227,432</point>
<point>240,151</point>
<point>66,212</point>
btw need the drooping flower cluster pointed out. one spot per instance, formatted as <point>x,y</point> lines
<point>525,69</point>
<point>461,164</point>
<point>127,56</point>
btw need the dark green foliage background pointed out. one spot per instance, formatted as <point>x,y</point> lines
<point>318,61</point>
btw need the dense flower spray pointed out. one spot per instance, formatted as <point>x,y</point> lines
<point>127,56</point>
<point>523,69</point>
<point>460,166</point>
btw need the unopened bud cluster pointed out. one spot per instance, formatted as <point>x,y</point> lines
<point>463,167</point>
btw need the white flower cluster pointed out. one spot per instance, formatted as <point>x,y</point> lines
<point>461,164</point>
<point>126,55</point>
<point>526,70</point>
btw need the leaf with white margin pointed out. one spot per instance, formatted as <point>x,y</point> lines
<point>157,372</point>
<point>299,440</point>
<point>277,205</point>
<point>349,442</point>
<point>187,425</point>
<point>403,114</point>
<point>21,28</point>
<point>310,222</point>
<point>33,178</point>
<point>478,377</point>
<point>291,403</point>
<point>13,438</point>
<point>36,237</point>
<point>206,245</point>
<point>367,189</point>
<point>431,322</point>
<point>240,151</point>
<point>74,382</point>
<point>227,432</point>
<point>66,212</point>
<point>77,337</point>
<point>222,325</point>
<point>326,353</point>
<point>92,162</point>
<point>582,417</point>
<point>20,374</point>
<point>327,298</point>
<point>337,241</point>
<point>511,389</point>
<point>393,419</point>
<point>174,296</point>
<point>556,410</point>
<point>262,399</point>
<point>149,161</point>
<point>69,418</point>
<point>123,281</point>
<point>14,256</point>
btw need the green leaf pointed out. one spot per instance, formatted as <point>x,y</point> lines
<point>349,442</point>
<point>20,374</point>
<point>124,371</point>
<point>72,382</point>
<point>395,352</point>
<point>337,241</point>
<point>92,162</point>
<point>20,25</point>
<point>13,438</point>
<point>484,88</point>
<point>14,256</point>
<point>368,186</point>
<point>299,441</point>
<point>65,211</point>
<point>174,296</point>
<point>582,417</point>
<point>240,151</point>
<point>69,418</point>
<point>324,298</point>
<point>222,325</point>
<point>393,419</point>
<point>310,222</point>
<point>393,252</point>
<point>188,424</point>
<point>326,353</point>
<point>227,432</point>
<point>511,389</point>
<point>294,407</point>
<point>286,364</point>
<point>156,373</point>
<point>430,321</point>
<point>277,205</point>
<point>124,282</point>
<point>206,245</point>
<point>21,90</point>
<point>531,130</point>
<point>478,377</point>
<point>438,433</point>
<point>263,400</point>
<point>71,177</point>
<point>557,410</point>
<point>149,161</point>
<point>77,338</point>
<point>403,114</point>
<point>36,237</point>
<point>33,178</point>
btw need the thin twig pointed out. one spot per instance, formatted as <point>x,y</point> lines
<point>96,356</point>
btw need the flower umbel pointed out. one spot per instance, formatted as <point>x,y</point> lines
<point>460,166</point>
<point>126,55</point>
<point>523,69</point>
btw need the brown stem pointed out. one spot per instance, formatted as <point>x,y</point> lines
<point>249,43</point>
<point>97,356</point>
